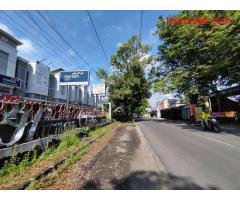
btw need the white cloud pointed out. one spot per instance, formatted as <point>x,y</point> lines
<point>71,52</point>
<point>6,29</point>
<point>151,38</point>
<point>119,44</point>
<point>27,46</point>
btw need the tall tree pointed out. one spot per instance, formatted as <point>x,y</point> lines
<point>128,86</point>
<point>102,74</point>
<point>196,58</point>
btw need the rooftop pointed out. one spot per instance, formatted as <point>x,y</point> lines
<point>57,70</point>
<point>22,59</point>
<point>10,37</point>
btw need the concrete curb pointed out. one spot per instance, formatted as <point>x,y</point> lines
<point>159,164</point>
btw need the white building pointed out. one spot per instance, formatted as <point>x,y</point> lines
<point>38,81</point>
<point>84,94</point>
<point>8,59</point>
<point>169,103</point>
<point>57,93</point>
<point>75,94</point>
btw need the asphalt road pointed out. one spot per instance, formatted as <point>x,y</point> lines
<point>199,159</point>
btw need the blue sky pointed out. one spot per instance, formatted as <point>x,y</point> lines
<point>114,28</point>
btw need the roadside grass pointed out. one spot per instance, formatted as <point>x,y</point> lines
<point>52,177</point>
<point>15,171</point>
<point>44,182</point>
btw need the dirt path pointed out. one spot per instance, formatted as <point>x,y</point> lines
<point>127,162</point>
<point>122,161</point>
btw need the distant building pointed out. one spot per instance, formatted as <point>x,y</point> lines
<point>38,81</point>
<point>8,59</point>
<point>179,103</point>
<point>160,105</point>
<point>169,103</point>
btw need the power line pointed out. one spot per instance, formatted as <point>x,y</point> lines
<point>56,53</point>
<point>63,39</point>
<point>141,22</point>
<point>99,40</point>
<point>47,38</point>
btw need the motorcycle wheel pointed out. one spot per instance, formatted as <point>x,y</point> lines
<point>217,129</point>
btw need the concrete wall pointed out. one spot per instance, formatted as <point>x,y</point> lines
<point>38,79</point>
<point>12,58</point>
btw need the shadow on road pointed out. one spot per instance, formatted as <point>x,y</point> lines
<point>147,180</point>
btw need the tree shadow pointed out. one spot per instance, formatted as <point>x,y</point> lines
<point>147,180</point>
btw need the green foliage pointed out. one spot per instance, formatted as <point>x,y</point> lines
<point>128,86</point>
<point>68,140</point>
<point>196,58</point>
<point>15,165</point>
<point>102,74</point>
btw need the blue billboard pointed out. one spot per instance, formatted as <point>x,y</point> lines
<point>9,81</point>
<point>75,77</point>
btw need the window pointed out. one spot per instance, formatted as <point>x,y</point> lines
<point>26,80</point>
<point>3,62</point>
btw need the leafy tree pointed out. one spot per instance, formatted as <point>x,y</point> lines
<point>102,74</point>
<point>128,86</point>
<point>196,58</point>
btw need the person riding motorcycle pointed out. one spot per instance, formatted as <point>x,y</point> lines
<point>205,118</point>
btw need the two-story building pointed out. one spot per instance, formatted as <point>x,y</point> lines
<point>38,81</point>
<point>8,59</point>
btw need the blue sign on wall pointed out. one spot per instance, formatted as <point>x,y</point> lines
<point>9,81</point>
<point>74,78</point>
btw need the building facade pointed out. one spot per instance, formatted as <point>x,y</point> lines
<point>56,92</point>
<point>34,80</point>
<point>8,59</point>
<point>38,81</point>
<point>22,73</point>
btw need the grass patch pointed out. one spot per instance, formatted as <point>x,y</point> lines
<point>16,170</point>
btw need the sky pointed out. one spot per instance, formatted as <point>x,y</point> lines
<point>80,49</point>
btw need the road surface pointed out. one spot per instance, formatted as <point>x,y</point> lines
<point>194,158</point>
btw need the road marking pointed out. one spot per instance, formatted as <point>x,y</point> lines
<point>208,138</point>
<point>218,141</point>
<point>212,139</point>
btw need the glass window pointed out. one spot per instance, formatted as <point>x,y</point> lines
<point>3,62</point>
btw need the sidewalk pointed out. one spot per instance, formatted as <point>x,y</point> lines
<point>127,163</point>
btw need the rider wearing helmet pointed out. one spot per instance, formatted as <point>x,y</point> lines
<point>206,114</point>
